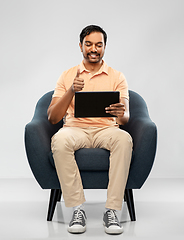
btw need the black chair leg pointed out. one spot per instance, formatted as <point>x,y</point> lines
<point>55,196</point>
<point>130,203</point>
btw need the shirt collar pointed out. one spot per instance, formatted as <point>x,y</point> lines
<point>104,68</point>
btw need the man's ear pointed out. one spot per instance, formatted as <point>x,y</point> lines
<point>80,45</point>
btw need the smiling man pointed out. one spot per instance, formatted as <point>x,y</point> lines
<point>93,51</point>
<point>92,74</point>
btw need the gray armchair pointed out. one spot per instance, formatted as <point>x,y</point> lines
<point>94,171</point>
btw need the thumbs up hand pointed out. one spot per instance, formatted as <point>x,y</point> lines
<point>78,83</point>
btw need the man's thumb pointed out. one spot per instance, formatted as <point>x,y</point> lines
<point>78,72</point>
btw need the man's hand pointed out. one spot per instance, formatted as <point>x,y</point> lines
<point>58,106</point>
<point>117,109</point>
<point>120,110</point>
<point>78,83</point>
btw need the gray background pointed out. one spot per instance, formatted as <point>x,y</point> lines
<point>39,39</point>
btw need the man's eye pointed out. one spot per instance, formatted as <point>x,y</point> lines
<point>88,44</point>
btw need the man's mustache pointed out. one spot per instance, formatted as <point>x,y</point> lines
<point>93,53</point>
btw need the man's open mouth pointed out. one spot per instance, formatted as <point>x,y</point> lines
<point>93,55</point>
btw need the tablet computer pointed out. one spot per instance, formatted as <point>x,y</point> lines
<point>93,104</point>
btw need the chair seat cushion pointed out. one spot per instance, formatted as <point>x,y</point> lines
<point>90,159</point>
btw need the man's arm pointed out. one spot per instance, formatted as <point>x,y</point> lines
<point>120,110</point>
<point>58,106</point>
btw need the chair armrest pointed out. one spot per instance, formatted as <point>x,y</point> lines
<point>144,134</point>
<point>38,135</point>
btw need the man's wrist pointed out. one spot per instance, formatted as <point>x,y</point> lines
<point>72,89</point>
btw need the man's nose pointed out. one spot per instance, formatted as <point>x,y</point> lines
<point>94,48</point>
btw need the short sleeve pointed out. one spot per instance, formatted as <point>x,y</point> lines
<point>122,86</point>
<point>60,88</point>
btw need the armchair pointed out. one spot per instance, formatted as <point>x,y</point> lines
<point>94,171</point>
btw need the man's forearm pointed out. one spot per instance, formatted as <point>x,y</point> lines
<point>57,110</point>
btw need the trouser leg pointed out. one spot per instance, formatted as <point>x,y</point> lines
<point>64,143</point>
<point>119,143</point>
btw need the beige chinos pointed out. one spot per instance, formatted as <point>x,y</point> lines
<point>69,139</point>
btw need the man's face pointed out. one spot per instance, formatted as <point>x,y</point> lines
<point>93,47</point>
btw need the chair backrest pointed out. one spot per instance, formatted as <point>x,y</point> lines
<point>42,105</point>
<point>41,112</point>
<point>138,106</point>
<point>138,109</point>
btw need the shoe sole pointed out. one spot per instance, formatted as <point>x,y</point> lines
<point>76,229</point>
<point>113,231</point>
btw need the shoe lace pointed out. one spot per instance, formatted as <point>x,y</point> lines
<point>78,215</point>
<point>112,218</point>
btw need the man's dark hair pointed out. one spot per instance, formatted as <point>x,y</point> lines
<point>92,28</point>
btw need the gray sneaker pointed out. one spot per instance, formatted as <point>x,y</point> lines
<point>111,223</point>
<point>78,222</point>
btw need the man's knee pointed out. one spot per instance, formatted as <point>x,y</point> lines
<point>69,139</point>
<point>61,139</point>
<point>123,137</point>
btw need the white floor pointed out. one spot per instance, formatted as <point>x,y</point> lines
<point>159,210</point>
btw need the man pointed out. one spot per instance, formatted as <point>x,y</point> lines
<point>92,74</point>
